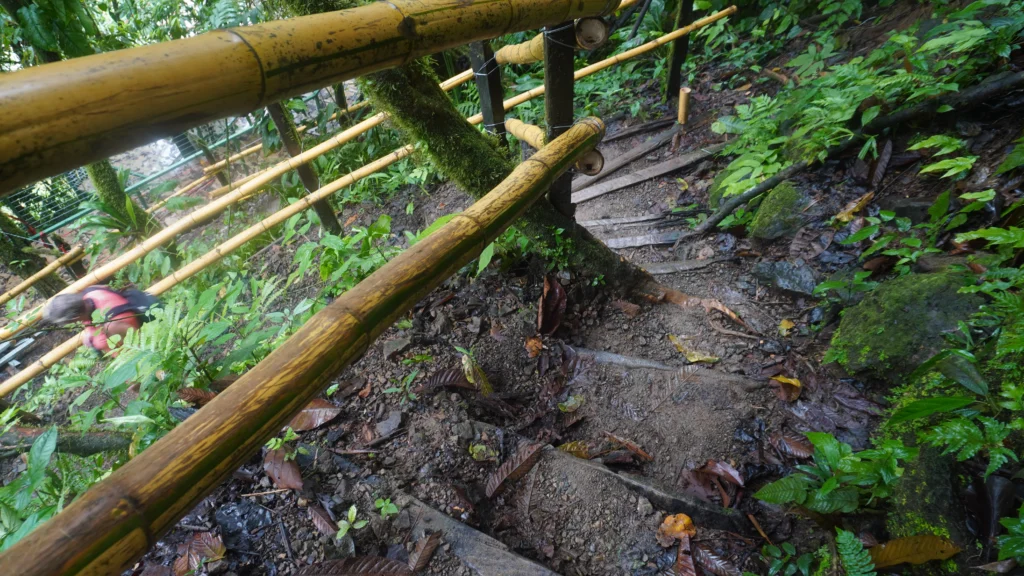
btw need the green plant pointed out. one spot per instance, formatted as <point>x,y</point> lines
<point>784,561</point>
<point>385,507</point>
<point>345,260</point>
<point>404,387</point>
<point>855,559</point>
<point>349,522</point>
<point>840,480</point>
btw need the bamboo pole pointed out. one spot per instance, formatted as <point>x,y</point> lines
<point>607,62</point>
<point>457,80</point>
<point>113,523</point>
<point>590,163</point>
<point>72,256</point>
<point>183,190</point>
<point>62,115</point>
<point>590,33</point>
<point>626,4</point>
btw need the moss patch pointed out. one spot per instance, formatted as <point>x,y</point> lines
<point>780,213</point>
<point>900,325</point>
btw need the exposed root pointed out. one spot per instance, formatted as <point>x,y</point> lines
<point>659,293</point>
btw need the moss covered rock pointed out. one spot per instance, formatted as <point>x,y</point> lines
<point>780,213</point>
<point>900,324</point>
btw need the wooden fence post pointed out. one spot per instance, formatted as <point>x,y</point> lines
<point>488,84</point>
<point>678,50</point>
<point>290,140</point>
<point>559,52</point>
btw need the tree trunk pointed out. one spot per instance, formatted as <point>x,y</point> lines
<point>21,262</point>
<point>108,188</point>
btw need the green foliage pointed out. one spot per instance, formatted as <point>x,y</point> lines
<point>1014,160</point>
<point>349,522</point>
<point>345,260</point>
<point>784,560</point>
<point>405,387</point>
<point>385,507</point>
<point>840,480</point>
<point>968,436</point>
<point>1011,544</point>
<point>952,166</point>
<point>855,559</point>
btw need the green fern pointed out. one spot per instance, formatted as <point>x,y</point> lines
<point>791,489</point>
<point>855,559</point>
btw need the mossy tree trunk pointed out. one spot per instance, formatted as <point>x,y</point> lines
<point>17,259</point>
<point>108,189</point>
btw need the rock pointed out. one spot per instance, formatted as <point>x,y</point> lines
<point>342,548</point>
<point>237,520</point>
<point>388,427</point>
<point>914,209</point>
<point>900,324</point>
<point>395,347</point>
<point>796,277</point>
<point>780,213</point>
<point>644,507</point>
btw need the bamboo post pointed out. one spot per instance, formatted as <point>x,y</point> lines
<point>558,102</point>
<point>113,523</point>
<point>684,106</point>
<point>488,85</point>
<point>590,163</point>
<point>679,50</point>
<point>62,115</point>
<point>290,139</point>
<point>72,256</point>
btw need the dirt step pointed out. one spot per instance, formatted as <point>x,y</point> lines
<point>478,551</point>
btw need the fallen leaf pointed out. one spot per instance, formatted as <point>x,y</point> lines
<point>351,219</point>
<point>496,333</point>
<point>450,378</point>
<point>692,356</point>
<point>322,520</point>
<point>631,446</point>
<point>365,391</point>
<point>476,375</point>
<point>551,306</point>
<point>881,164</point>
<point>880,264</point>
<point>977,268</point>
<point>420,557</point>
<point>785,326</point>
<point>628,308</point>
<point>578,448</point>
<point>744,88</point>
<point>684,559</point>
<point>714,563</point>
<point>482,452</point>
<point>809,243</point>
<point>357,566</point>
<point>673,528</point>
<point>790,444</point>
<point>757,526</point>
<point>534,345</point>
<point>196,396</point>
<point>787,389</point>
<point>157,570</point>
<point>572,404</point>
<point>851,209</point>
<point>514,468</point>
<point>203,546</point>
<point>724,471</point>
<point>912,550</point>
<point>1001,567</point>
<point>315,414</point>
<point>283,473</point>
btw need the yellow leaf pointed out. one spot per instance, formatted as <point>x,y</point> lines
<point>788,389</point>
<point>533,346</point>
<point>848,211</point>
<point>692,356</point>
<point>785,326</point>
<point>674,527</point>
<point>912,550</point>
<point>481,452</point>
<point>578,448</point>
<point>476,375</point>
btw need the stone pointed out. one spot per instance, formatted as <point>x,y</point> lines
<point>796,277</point>
<point>393,348</point>
<point>388,426</point>
<point>901,324</point>
<point>238,520</point>
<point>781,213</point>
<point>644,507</point>
<point>913,208</point>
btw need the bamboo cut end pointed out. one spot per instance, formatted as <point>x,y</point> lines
<point>591,33</point>
<point>591,163</point>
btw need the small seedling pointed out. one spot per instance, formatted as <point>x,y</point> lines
<point>350,522</point>
<point>385,507</point>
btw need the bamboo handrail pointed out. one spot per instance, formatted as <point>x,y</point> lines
<point>590,33</point>
<point>65,114</point>
<point>590,163</point>
<point>183,190</point>
<point>72,256</point>
<point>214,194</point>
<point>626,4</point>
<point>607,62</point>
<point>115,521</point>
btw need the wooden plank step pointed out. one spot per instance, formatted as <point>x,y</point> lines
<point>670,165</point>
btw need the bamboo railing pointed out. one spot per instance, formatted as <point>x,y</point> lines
<point>590,33</point>
<point>183,190</point>
<point>113,523</point>
<point>590,163</point>
<point>72,256</point>
<point>62,115</point>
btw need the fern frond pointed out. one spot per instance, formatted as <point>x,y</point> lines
<point>855,559</point>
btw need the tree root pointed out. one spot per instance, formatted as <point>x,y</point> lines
<point>19,439</point>
<point>659,293</point>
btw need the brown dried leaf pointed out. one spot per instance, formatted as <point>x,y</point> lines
<point>684,301</point>
<point>450,378</point>
<point>322,520</point>
<point>283,473</point>
<point>1001,567</point>
<point>365,391</point>
<point>315,414</point>
<point>514,468</point>
<point>809,243</point>
<point>912,550</point>
<point>203,546</point>
<point>196,396</point>
<point>684,559</point>
<point>157,570</point>
<point>628,308</point>
<point>881,164</point>
<point>357,566</point>
<point>714,563</point>
<point>578,448</point>
<point>424,551</point>
<point>631,446</point>
<point>787,389</point>
<point>880,265</point>
<point>724,471</point>
<point>675,527</point>
<point>551,306</point>
<point>848,211</point>
<point>790,444</point>
<point>534,345</point>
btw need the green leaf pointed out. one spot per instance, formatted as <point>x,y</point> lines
<point>39,455</point>
<point>845,499</point>
<point>485,258</point>
<point>939,208</point>
<point>944,144</point>
<point>855,559</point>
<point>37,28</point>
<point>791,489</point>
<point>961,369</point>
<point>869,115</point>
<point>862,234</point>
<point>1013,160</point>
<point>929,406</point>
<point>952,166</point>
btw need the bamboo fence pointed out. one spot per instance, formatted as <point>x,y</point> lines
<point>183,190</point>
<point>590,33</point>
<point>590,163</point>
<point>65,114</point>
<point>112,524</point>
<point>72,256</point>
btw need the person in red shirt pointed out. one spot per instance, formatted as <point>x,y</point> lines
<point>120,313</point>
